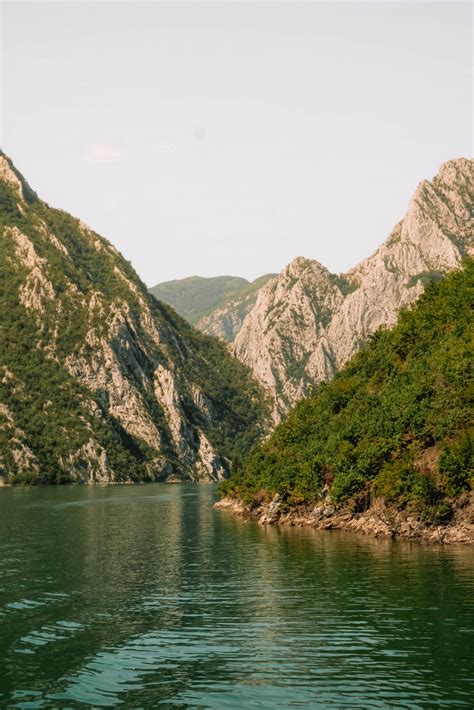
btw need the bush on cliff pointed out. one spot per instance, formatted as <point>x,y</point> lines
<point>395,422</point>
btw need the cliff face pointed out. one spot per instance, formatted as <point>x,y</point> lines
<point>99,381</point>
<point>386,447</point>
<point>306,322</point>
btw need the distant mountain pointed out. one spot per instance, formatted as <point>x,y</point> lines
<point>226,320</point>
<point>386,447</point>
<point>98,380</point>
<point>196,296</point>
<point>216,305</point>
<point>306,322</point>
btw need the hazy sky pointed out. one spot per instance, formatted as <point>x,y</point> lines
<point>227,138</point>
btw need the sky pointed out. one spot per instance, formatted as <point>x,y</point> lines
<point>230,137</point>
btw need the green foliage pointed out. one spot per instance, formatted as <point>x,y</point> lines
<point>196,297</point>
<point>437,514</point>
<point>397,418</point>
<point>455,463</point>
<point>238,405</point>
<point>425,278</point>
<point>47,410</point>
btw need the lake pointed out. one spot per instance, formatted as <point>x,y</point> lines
<point>146,596</point>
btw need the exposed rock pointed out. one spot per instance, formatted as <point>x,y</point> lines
<point>225,322</point>
<point>210,466</point>
<point>290,318</point>
<point>17,455</point>
<point>306,322</point>
<point>89,464</point>
<point>272,512</point>
<point>378,520</point>
<point>120,386</point>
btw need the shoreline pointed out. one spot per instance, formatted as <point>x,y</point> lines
<point>377,521</point>
<point>85,484</point>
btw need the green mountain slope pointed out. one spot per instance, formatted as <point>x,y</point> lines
<point>216,305</point>
<point>395,423</point>
<point>196,296</point>
<point>99,381</point>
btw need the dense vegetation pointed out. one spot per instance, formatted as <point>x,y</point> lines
<point>48,406</point>
<point>240,406</point>
<point>50,412</point>
<point>396,422</point>
<point>196,297</point>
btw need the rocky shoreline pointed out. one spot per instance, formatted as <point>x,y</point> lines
<point>378,521</point>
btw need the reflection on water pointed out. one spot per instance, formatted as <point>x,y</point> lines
<point>146,596</point>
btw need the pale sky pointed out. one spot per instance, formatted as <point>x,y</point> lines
<point>228,138</point>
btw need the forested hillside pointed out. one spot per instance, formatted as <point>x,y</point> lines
<point>196,296</point>
<point>99,381</point>
<point>395,423</point>
<point>216,305</point>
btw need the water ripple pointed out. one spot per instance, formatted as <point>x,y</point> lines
<point>147,597</point>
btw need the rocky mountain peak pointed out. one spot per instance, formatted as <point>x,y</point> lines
<point>101,381</point>
<point>455,172</point>
<point>298,266</point>
<point>10,175</point>
<point>307,322</point>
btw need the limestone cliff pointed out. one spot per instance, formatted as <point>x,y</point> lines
<point>306,322</point>
<point>98,380</point>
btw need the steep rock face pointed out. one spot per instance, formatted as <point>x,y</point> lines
<point>100,382</point>
<point>307,323</point>
<point>290,317</point>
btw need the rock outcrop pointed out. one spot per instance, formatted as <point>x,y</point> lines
<point>100,382</point>
<point>306,322</point>
<point>378,521</point>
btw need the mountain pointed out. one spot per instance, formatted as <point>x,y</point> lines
<point>306,322</point>
<point>216,305</point>
<point>196,296</point>
<point>388,445</point>
<point>98,380</point>
<point>226,320</point>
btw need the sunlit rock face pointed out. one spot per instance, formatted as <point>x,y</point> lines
<point>98,380</point>
<point>306,322</point>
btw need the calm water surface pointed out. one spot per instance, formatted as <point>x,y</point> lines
<point>144,597</point>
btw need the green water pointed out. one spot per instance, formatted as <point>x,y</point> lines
<point>145,596</point>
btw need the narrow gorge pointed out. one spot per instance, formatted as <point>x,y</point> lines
<point>305,323</point>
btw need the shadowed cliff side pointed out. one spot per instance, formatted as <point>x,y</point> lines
<point>99,381</point>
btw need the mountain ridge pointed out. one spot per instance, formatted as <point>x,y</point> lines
<point>306,322</point>
<point>99,381</point>
<point>387,447</point>
<point>216,305</point>
<point>300,326</point>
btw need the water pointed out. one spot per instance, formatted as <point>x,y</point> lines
<point>147,597</point>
